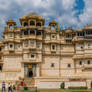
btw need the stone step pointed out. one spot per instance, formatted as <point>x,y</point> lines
<point>30,82</point>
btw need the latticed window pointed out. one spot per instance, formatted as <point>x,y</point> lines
<point>31,43</point>
<point>26,43</point>
<point>38,45</point>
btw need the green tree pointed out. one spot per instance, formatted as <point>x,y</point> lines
<point>62,86</point>
<point>91,84</point>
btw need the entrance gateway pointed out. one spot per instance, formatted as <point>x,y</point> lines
<point>29,70</point>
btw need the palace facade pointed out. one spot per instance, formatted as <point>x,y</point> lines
<point>45,56</point>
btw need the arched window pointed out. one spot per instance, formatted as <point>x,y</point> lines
<point>32,31</point>
<point>0,48</point>
<point>0,67</point>
<point>52,27</point>
<point>26,32</point>
<point>88,61</point>
<point>68,35</point>
<point>25,24</point>
<point>32,23</point>
<point>11,45</point>
<point>69,65</point>
<point>52,64</point>
<point>10,27</point>
<point>38,24</point>
<point>38,33</point>
<point>80,62</point>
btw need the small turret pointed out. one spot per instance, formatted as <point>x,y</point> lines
<point>32,20</point>
<point>11,24</point>
<point>54,25</point>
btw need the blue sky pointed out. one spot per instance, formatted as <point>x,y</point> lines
<point>75,13</point>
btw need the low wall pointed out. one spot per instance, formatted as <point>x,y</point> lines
<point>48,85</point>
<point>75,83</point>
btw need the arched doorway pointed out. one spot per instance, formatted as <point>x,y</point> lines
<point>30,73</point>
<point>29,70</point>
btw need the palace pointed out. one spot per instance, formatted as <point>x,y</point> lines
<point>45,56</point>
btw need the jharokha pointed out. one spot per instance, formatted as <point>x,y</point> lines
<point>45,56</point>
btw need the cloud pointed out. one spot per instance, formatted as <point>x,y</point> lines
<point>86,16</point>
<point>62,10</point>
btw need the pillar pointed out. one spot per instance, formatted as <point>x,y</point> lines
<point>38,70</point>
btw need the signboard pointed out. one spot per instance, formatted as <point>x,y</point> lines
<point>29,66</point>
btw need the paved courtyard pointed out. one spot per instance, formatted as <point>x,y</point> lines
<point>51,91</point>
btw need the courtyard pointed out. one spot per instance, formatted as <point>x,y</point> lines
<point>58,91</point>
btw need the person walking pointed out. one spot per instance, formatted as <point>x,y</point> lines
<point>3,87</point>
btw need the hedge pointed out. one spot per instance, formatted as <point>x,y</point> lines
<point>77,87</point>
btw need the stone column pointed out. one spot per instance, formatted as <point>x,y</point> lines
<point>88,84</point>
<point>22,70</point>
<point>37,70</point>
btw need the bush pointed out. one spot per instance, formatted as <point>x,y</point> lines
<point>25,87</point>
<point>91,85</point>
<point>62,86</point>
<point>81,87</point>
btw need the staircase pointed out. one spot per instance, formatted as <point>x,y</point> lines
<point>30,82</point>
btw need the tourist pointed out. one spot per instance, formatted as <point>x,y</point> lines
<point>14,88</point>
<point>3,87</point>
<point>9,87</point>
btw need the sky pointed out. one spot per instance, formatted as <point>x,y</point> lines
<point>75,13</point>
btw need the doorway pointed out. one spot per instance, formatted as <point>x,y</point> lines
<point>30,70</point>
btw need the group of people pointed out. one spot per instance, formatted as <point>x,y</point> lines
<point>11,88</point>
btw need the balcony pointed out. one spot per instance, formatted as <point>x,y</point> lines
<point>87,68</point>
<point>11,50</point>
<point>8,30</point>
<point>39,37</point>
<point>30,61</point>
<point>46,52</point>
<point>78,38</point>
<point>28,37</point>
<point>1,60</point>
<point>68,38</point>
<point>88,37</point>
<point>10,40</point>
<point>32,48</point>
<point>40,27</point>
<point>78,57</point>
<point>52,41</point>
